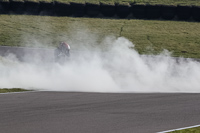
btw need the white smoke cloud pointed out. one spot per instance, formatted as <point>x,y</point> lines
<point>114,69</point>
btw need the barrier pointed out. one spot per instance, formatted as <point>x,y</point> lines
<point>17,6</point>
<point>153,11</point>
<point>78,9</point>
<point>123,10</point>
<point>46,8</point>
<point>168,12</point>
<point>196,13</point>
<point>138,11</point>
<point>4,7</point>
<point>92,9</point>
<point>108,10</point>
<point>62,9</point>
<point>183,12</point>
<point>32,7</point>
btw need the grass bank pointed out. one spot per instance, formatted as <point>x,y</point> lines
<point>152,2</point>
<point>6,90</point>
<point>149,36</point>
<point>190,130</point>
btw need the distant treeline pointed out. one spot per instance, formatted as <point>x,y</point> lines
<point>121,10</point>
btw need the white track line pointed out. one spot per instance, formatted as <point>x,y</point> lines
<point>179,129</point>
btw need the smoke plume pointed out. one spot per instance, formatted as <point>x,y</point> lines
<point>108,66</point>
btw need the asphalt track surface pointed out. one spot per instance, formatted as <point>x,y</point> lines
<point>73,112</point>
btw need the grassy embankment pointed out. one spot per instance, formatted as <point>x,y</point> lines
<point>6,90</point>
<point>149,36</point>
<point>152,2</point>
<point>190,130</point>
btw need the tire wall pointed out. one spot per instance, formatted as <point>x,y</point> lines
<point>123,10</point>
<point>153,11</point>
<point>183,12</point>
<point>46,8</point>
<point>78,9</point>
<point>4,7</point>
<point>168,12</point>
<point>107,10</point>
<point>62,9</point>
<point>138,11</point>
<point>32,8</point>
<point>92,10</point>
<point>17,7</point>
<point>196,13</point>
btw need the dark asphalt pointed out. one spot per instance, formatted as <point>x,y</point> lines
<point>65,112</point>
<point>70,112</point>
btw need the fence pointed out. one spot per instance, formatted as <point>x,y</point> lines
<point>125,10</point>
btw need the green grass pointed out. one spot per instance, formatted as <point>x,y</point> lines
<point>190,130</point>
<point>152,2</point>
<point>149,36</point>
<point>5,90</point>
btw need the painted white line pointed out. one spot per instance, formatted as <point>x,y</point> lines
<point>179,129</point>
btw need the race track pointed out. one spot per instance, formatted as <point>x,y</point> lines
<point>70,112</point>
<point>75,112</point>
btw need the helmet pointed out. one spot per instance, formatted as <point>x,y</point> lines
<point>65,45</point>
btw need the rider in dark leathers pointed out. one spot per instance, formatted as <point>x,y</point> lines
<point>62,52</point>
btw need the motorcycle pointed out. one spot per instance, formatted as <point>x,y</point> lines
<point>61,55</point>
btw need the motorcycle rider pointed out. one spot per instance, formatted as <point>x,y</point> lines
<point>62,50</point>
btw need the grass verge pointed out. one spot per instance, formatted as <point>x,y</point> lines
<point>152,2</point>
<point>6,90</point>
<point>149,36</point>
<point>190,130</point>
